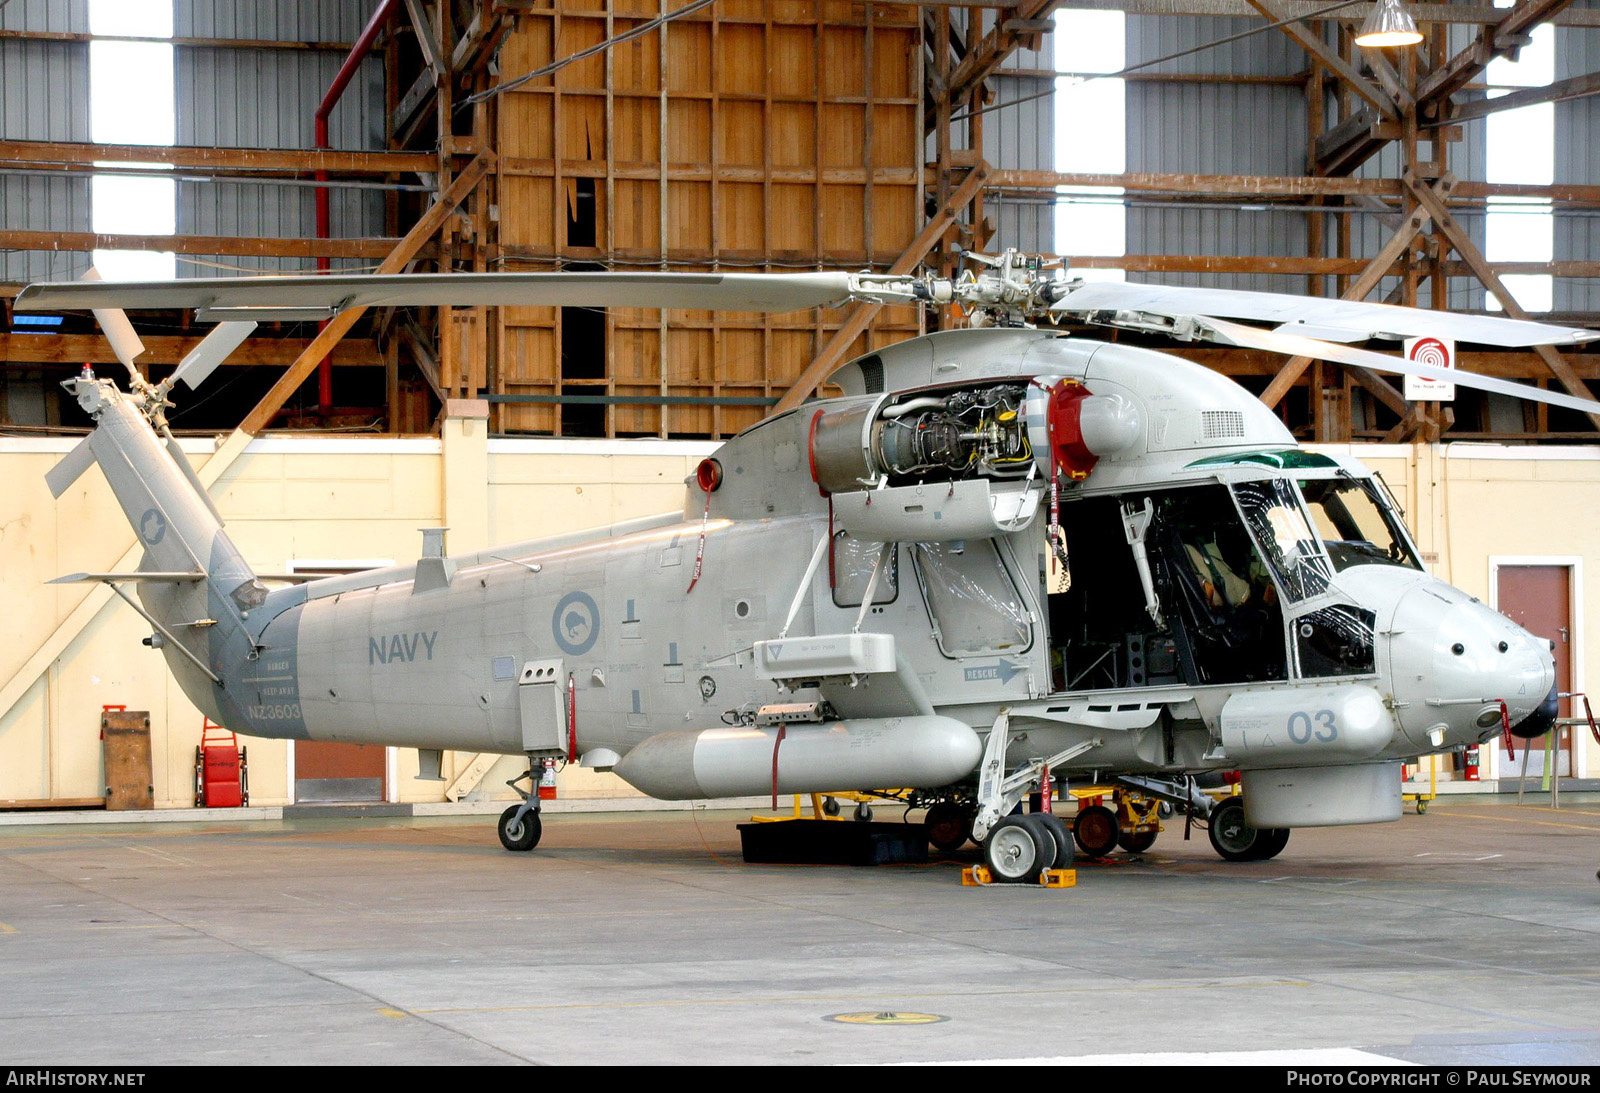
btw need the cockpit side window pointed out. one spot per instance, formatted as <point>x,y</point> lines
<point>1357,526</point>
<point>1277,520</point>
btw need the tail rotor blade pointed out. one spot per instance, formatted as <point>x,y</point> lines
<point>61,477</point>
<point>117,329</point>
<point>213,349</point>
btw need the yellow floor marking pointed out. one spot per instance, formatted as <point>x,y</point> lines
<point>4,929</point>
<point>398,1014</point>
<point>1520,820</point>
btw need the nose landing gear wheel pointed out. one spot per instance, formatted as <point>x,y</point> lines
<point>1096,830</point>
<point>519,834</point>
<point>1231,837</point>
<point>1013,851</point>
<point>1058,827</point>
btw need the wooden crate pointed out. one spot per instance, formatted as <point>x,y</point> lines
<point>129,782</point>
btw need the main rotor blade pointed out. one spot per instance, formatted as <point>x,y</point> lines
<point>213,349</point>
<point>700,291</point>
<point>1294,345</point>
<point>115,325</point>
<point>1355,319</point>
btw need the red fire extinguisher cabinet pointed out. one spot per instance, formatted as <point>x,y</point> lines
<point>221,769</point>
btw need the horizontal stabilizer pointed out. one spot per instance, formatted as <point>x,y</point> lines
<point>116,578</point>
<point>61,477</point>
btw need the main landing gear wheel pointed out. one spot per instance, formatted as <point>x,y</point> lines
<point>1096,830</point>
<point>1271,843</point>
<point>1231,837</point>
<point>519,834</point>
<point>949,827</point>
<point>1137,842</point>
<point>1062,835</point>
<point>1014,851</point>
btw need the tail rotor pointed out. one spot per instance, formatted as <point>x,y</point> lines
<point>196,366</point>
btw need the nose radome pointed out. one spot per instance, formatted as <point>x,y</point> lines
<point>1478,652</point>
<point>1453,659</point>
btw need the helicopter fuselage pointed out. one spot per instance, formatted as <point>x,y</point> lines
<point>1215,598</point>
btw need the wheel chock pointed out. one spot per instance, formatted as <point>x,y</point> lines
<point>979,875</point>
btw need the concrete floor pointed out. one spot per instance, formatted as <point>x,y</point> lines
<point>1469,935</point>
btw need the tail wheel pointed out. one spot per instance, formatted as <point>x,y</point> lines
<point>1013,850</point>
<point>1096,830</point>
<point>519,834</point>
<point>949,826</point>
<point>1137,842</point>
<point>1231,836</point>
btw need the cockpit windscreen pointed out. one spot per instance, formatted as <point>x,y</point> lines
<point>1356,525</point>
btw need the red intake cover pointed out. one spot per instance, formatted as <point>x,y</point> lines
<point>1066,431</point>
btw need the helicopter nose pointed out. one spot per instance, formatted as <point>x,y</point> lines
<point>1541,720</point>
<point>1455,660</point>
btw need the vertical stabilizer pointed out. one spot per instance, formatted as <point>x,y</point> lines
<point>181,533</point>
<point>176,525</point>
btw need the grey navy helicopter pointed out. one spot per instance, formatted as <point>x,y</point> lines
<point>857,593</point>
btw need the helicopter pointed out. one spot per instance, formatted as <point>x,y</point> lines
<point>1002,554</point>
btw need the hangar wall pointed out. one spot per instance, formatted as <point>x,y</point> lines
<point>310,502</point>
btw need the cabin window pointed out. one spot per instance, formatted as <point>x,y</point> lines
<point>852,564</point>
<point>1356,526</point>
<point>974,603</point>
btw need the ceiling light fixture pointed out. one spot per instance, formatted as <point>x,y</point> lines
<point>1389,25</point>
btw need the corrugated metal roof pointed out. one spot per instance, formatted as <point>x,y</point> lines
<point>1020,137</point>
<point>1577,160</point>
<point>60,16</point>
<point>44,95</point>
<point>266,98</point>
<point>1216,128</point>
<point>282,20</point>
<point>249,98</point>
